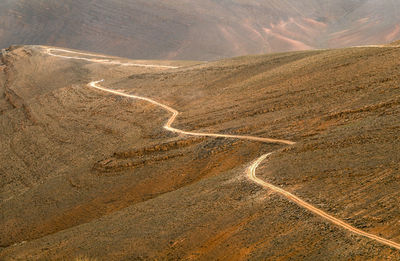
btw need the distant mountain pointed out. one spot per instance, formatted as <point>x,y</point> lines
<point>201,30</point>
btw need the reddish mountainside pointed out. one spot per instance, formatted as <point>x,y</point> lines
<point>200,30</point>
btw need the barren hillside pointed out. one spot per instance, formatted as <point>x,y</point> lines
<point>200,30</point>
<point>89,173</point>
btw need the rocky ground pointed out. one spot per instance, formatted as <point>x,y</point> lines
<point>85,173</point>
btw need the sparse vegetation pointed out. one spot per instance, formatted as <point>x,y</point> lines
<point>84,258</point>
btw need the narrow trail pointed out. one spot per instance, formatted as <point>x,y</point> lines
<point>251,171</point>
<point>49,51</point>
<point>175,113</point>
<point>376,46</point>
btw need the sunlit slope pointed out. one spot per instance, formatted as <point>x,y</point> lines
<point>147,193</point>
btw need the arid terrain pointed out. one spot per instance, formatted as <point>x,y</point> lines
<point>101,174</point>
<point>198,30</point>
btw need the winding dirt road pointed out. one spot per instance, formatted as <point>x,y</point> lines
<point>251,171</point>
<point>175,113</point>
<point>50,51</point>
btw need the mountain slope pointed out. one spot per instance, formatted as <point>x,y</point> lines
<point>199,30</point>
<point>97,175</point>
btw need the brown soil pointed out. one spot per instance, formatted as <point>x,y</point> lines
<point>85,173</point>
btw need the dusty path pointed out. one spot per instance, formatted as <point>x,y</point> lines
<point>50,51</point>
<point>376,46</point>
<point>175,113</point>
<point>251,171</point>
